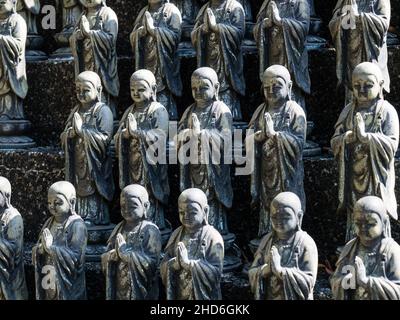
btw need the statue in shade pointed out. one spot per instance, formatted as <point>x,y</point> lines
<point>217,37</point>
<point>286,262</point>
<point>369,265</point>
<point>30,10</point>
<point>277,142</point>
<point>12,275</point>
<point>59,255</point>
<point>194,256</point>
<point>13,82</point>
<point>188,9</point>
<point>143,126</point>
<point>365,143</point>
<point>133,252</point>
<point>155,39</point>
<point>93,45</point>
<point>86,142</point>
<point>71,12</point>
<point>207,124</point>
<point>281,34</point>
<point>359,31</point>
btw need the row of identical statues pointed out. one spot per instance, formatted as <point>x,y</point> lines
<point>284,268</point>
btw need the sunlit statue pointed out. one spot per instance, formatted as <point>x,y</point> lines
<point>365,143</point>
<point>359,31</point>
<point>145,124</point>
<point>86,142</point>
<point>133,252</point>
<point>278,140</point>
<point>369,265</point>
<point>194,256</point>
<point>286,262</point>
<point>59,256</point>
<point>217,37</point>
<point>155,39</point>
<point>93,45</point>
<point>12,275</point>
<point>281,35</point>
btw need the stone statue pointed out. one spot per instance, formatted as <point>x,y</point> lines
<point>207,122</point>
<point>71,12</point>
<point>13,83</point>
<point>86,143</point>
<point>133,253</point>
<point>217,37</point>
<point>93,45</point>
<point>144,124</point>
<point>188,9</point>
<point>29,10</point>
<point>370,261</point>
<point>60,252</point>
<point>286,262</point>
<point>278,140</point>
<point>12,275</point>
<point>281,35</point>
<point>155,39</point>
<point>365,143</point>
<point>194,256</point>
<point>314,39</point>
<point>359,35</point>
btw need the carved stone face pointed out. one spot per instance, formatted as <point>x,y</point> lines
<point>140,91</point>
<point>275,89</point>
<point>91,3</point>
<point>203,90</point>
<point>367,225</point>
<point>191,214</point>
<point>132,208</point>
<point>365,87</point>
<point>283,218</point>
<point>85,92</point>
<point>57,204</point>
<point>6,6</point>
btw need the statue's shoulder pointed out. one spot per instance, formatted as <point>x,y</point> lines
<point>388,107</point>
<point>157,107</point>
<point>149,225</point>
<point>102,108</point>
<point>306,239</point>
<point>17,18</point>
<point>295,108</point>
<point>107,11</point>
<point>221,107</point>
<point>212,234</point>
<point>10,214</point>
<point>171,8</point>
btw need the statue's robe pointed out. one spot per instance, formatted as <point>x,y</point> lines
<point>222,51</point>
<point>88,163</point>
<point>65,265</point>
<point>202,281</point>
<point>299,261</point>
<point>137,279</point>
<point>211,173</point>
<point>364,43</point>
<point>367,169</point>
<point>13,83</point>
<point>382,268</point>
<point>286,44</point>
<point>159,53</point>
<point>97,52</point>
<point>29,9</point>
<point>134,165</point>
<point>12,275</point>
<point>278,162</point>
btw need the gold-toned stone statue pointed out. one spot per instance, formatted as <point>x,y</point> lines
<point>155,39</point>
<point>278,140</point>
<point>86,143</point>
<point>12,275</point>
<point>365,143</point>
<point>194,256</point>
<point>286,262</point>
<point>143,125</point>
<point>13,82</point>
<point>369,265</point>
<point>281,34</point>
<point>217,37</point>
<point>359,30</point>
<point>133,252</point>
<point>59,256</point>
<point>93,45</point>
<point>71,12</point>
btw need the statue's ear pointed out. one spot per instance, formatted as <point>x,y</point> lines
<point>206,211</point>
<point>216,87</point>
<point>381,83</point>
<point>290,89</point>
<point>72,203</point>
<point>146,206</point>
<point>300,215</point>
